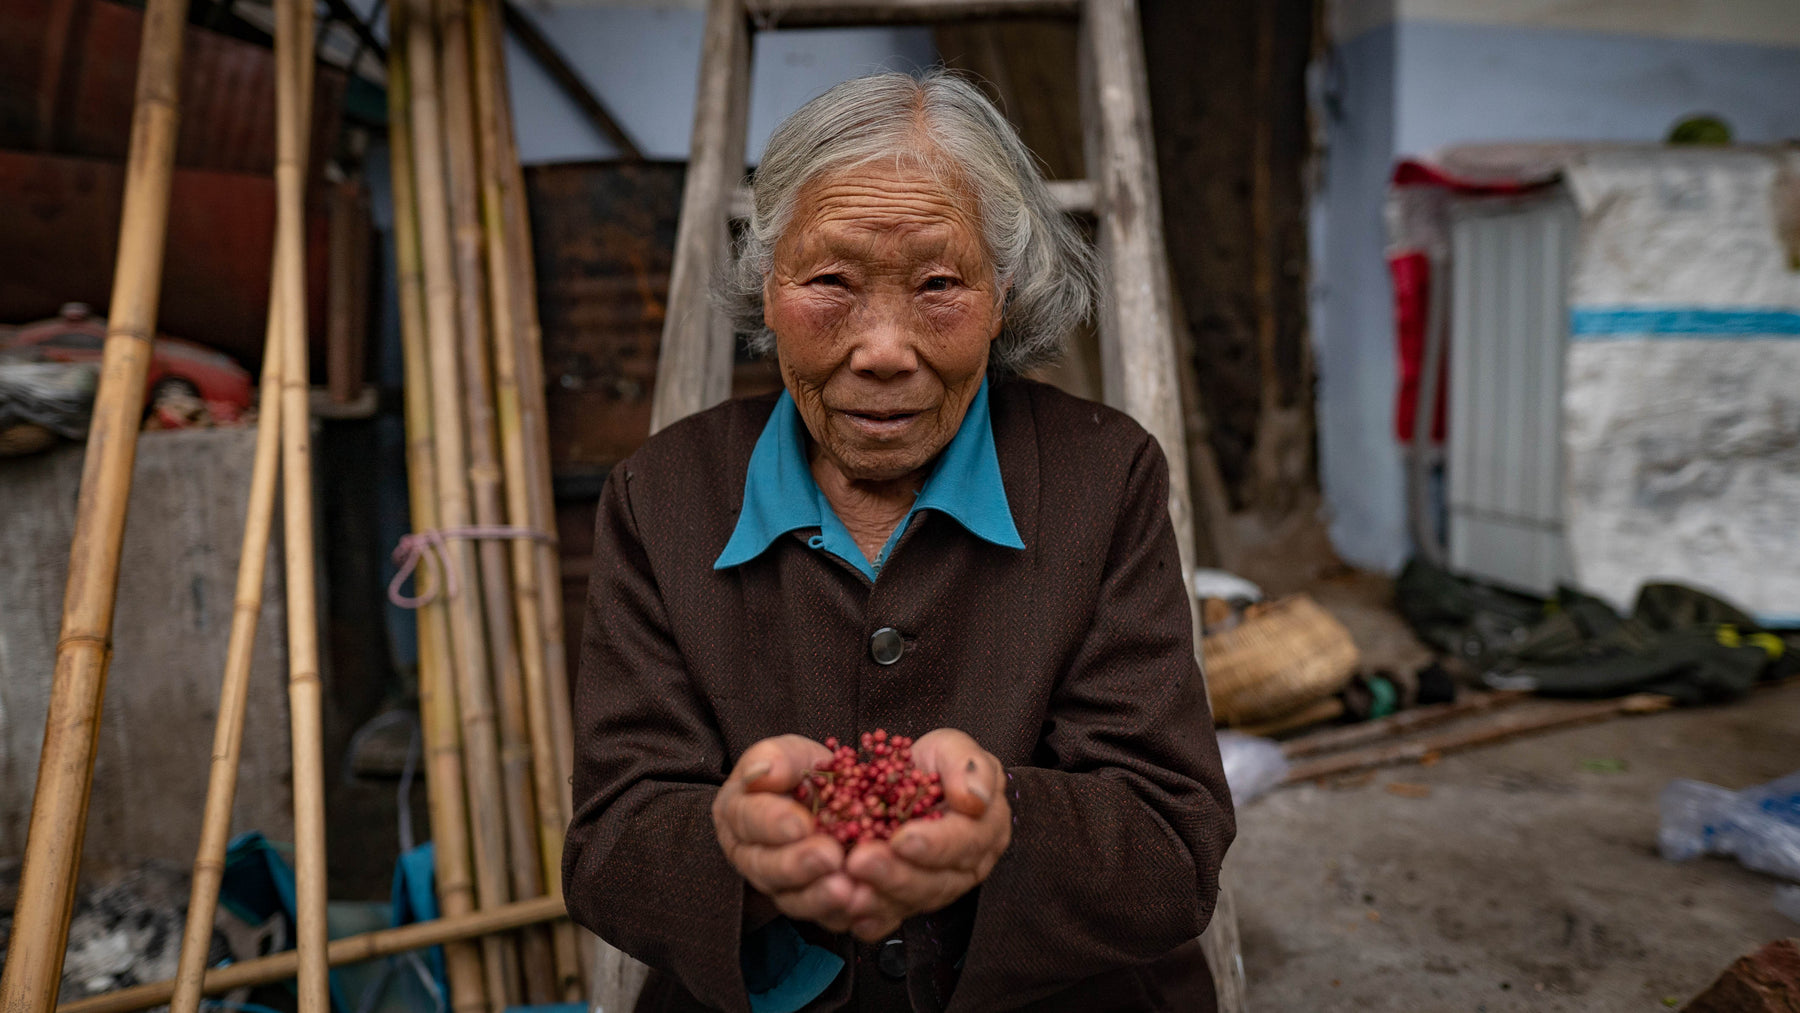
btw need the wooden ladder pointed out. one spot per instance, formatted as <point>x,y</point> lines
<point>1137,334</point>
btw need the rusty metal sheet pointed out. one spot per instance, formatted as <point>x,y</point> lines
<point>68,72</point>
<point>59,237</point>
<point>603,234</point>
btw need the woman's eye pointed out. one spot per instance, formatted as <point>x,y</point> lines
<point>834,280</point>
<point>940,283</point>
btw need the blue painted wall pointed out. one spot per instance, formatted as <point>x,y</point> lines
<point>1411,87</point>
<point>1352,318</point>
<point>1465,83</point>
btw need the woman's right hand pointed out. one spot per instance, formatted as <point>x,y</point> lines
<point>770,838</point>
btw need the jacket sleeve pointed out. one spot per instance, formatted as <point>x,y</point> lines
<point>1121,824</point>
<point>642,866</point>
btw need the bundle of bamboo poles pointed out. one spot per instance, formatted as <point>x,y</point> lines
<point>493,682</point>
<point>492,678</point>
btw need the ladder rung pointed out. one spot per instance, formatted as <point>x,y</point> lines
<point>1073,196</point>
<point>816,13</point>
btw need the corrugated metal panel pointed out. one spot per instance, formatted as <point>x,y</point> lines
<point>68,73</point>
<point>1511,259</point>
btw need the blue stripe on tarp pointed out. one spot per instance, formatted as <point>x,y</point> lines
<point>1598,323</point>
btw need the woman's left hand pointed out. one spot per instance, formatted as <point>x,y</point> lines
<point>930,863</point>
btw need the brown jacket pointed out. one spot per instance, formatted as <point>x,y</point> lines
<point>1071,660</point>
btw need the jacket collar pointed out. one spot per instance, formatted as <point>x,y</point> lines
<point>780,495</point>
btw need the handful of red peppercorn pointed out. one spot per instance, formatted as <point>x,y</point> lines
<point>866,796</point>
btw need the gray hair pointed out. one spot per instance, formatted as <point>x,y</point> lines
<point>1040,260</point>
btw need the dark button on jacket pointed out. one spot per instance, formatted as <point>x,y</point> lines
<point>1071,660</point>
<point>886,646</point>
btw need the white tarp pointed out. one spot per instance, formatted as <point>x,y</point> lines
<point>1682,397</point>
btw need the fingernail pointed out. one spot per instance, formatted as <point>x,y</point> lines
<point>756,770</point>
<point>815,864</point>
<point>909,847</point>
<point>981,792</point>
<point>792,828</point>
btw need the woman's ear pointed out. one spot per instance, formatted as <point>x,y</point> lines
<point>1000,311</point>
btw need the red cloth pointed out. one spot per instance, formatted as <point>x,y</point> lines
<point>1411,272</point>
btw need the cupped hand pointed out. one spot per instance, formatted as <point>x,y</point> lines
<point>771,840</point>
<point>930,863</point>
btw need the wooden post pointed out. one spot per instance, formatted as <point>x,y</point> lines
<point>348,950</point>
<point>71,729</point>
<point>1137,344</point>
<point>1137,340</point>
<point>693,370</point>
<point>234,689</point>
<point>546,770</point>
<point>293,51</point>
<point>481,760</point>
<point>494,582</point>
<point>437,696</point>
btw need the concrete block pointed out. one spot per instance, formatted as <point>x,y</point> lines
<point>177,577</point>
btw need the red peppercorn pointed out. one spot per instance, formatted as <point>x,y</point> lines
<point>867,795</point>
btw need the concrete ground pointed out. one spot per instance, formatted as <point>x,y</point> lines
<point>1521,876</point>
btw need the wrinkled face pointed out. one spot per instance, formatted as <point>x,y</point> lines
<point>883,305</point>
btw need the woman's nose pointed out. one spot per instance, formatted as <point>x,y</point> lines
<point>885,342</point>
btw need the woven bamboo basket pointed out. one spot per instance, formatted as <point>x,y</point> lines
<point>1287,654</point>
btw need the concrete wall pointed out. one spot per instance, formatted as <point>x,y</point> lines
<point>177,576</point>
<point>643,61</point>
<point>1411,76</point>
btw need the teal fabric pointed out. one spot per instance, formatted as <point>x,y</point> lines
<point>415,900</point>
<point>258,882</point>
<point>783,972</point>
<point>780,495</point>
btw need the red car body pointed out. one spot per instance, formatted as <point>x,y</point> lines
<point>77,335</point>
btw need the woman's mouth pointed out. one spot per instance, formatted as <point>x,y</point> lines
<point>880,424</point>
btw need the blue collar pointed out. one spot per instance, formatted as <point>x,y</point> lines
<point>780,495</point>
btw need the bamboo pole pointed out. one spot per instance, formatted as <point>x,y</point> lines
<point>228,729</point>
<point>544,765</point>
<point>612,977</point>
<point>437,697</point>
<point>293,51</point>
<point>83,648</point>
<point>348,950</point>
<point>484,482</point>
<point>533,420</point>
<point>474,695</point>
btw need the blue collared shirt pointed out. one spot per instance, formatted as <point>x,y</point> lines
<point>780,494</point>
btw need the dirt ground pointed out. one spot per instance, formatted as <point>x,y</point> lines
<point>1522,876</point>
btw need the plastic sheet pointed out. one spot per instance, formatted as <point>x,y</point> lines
<point>1253,765</point>
<point>1759,826</point>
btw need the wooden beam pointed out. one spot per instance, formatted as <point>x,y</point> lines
<point>1491,728</point>
<point>348,950</point>
<point>840,13</point>
<point>1332,740</point>
<point>553,63</point>
<point>1137,328</point>
<point>694,369</point>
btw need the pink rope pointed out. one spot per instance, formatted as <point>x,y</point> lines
<point>413,547</point>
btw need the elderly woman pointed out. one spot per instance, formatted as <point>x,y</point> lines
<point>914,538</point>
